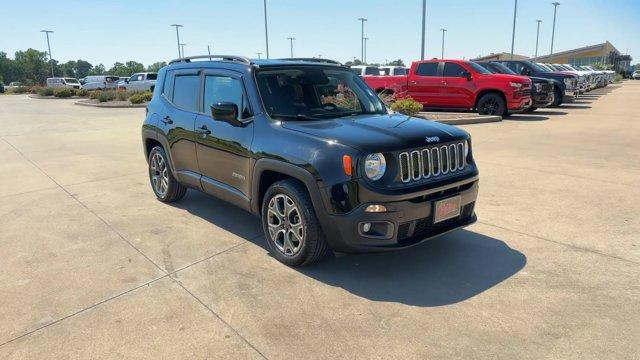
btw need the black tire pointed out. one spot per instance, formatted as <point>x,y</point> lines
<point>557,96</point>
<point>531,109</point>
<point>313,246</point>
<point>492,104</point>
<point>174,191</point>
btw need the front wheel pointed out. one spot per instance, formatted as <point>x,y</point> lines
<point>492,104</point>
<point>290,224</point>
<point>557,96</point>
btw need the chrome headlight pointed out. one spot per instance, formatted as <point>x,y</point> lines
<point>515,85</point>
<point>538,87</point>
<point>374,166</point>
<point>466,148</point>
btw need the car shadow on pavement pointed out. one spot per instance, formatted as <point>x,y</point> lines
<point>446,270</point>
<point>550,112</point>
<point>443,271</point>
<point>575,106</point>
<point>524,117</point>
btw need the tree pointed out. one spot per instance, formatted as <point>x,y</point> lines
<point>397,62</point>
<point>156,66</point>
<point>134,67</point>
<point>119,69</point>
<point>98,70</point>
<point>83,68</point>
<point>355,62</point>
<point>33,66</point>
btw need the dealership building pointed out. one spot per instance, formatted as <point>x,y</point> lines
<point>604,53</point>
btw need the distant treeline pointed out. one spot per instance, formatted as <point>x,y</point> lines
<point>32,68</point>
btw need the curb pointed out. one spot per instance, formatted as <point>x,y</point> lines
<point>104,105</point>
<point>465,120</point>
<point>35,96</point>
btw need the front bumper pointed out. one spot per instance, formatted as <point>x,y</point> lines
<point>541,100</point>
<point>409,221</point>
<point>520,105</point>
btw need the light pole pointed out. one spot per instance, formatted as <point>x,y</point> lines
<point>266,31</point>
<point>47,32</point>
<point>258,53</point>
<point>553,32</point>
<point>182,47</point>
<point>178,37</point>
<point>513,33</point>
<point>537,36</point>
<point>424,16</point>
<point>319,56</point>
<point>209,51</point>
<point>291,44</point>
<point>362,20</point>
<point>365,49</point>
<point>443,31</point>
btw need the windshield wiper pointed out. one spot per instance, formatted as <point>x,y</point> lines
<point>291,116</point>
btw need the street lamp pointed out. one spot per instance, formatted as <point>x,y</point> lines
<point>266,31</point>
<point>443,31</point>
<point>362,20</point>
<point>182,47</point>
<point>537,36</point>
<point>424,16</point>
<point>513,33</point>
<point>178,37</point>
<point>365,49</point>
<point>291,44</point>
<point>209,51</point>
<point>258,53</point>
<point>47,32</point>
<point>553,32</point>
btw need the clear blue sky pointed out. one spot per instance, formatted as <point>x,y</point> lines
<point>109,31</point>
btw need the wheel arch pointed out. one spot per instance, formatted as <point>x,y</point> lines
<point>489,91</point>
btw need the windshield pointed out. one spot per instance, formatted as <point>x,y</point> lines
<point>314,92</point>
<point>477,68</point>
<point>537,67</point>
<point>71,80</point>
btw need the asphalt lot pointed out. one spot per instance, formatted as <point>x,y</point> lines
<point>92,266</point>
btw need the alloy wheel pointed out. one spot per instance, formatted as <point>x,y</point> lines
<point>286,227</point>
<point>159,173</point>
<point>490,106</point>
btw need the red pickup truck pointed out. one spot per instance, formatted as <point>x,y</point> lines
<point>458,84</point>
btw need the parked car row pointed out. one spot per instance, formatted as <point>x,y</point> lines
<point>497,87</point>
<point>137,82</point>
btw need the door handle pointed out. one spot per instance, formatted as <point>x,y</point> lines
<point>167,120</point>
<point>412,82</point>
<point>443,82</point>
<point>203,130</point>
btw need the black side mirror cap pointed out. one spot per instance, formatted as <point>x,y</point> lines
<point>227,112</point>
<point>467,75</point>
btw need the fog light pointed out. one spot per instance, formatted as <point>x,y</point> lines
<point>366,227</point>
<point>375,208</point>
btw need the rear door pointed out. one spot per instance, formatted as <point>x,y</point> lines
<point>177,122</point>
<point>458,90</point>
<point>425,84</point>
<point>223,149</point>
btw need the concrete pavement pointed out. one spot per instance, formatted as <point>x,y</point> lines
<point>92,266</point>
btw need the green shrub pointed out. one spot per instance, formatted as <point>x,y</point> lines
<point>94,94</point>
<point>63,93</point>
<point>139,98</point>
<point>122,95</point>
<point>20,90</point>
<point>82,92</point>
<point>406,106</point>
<point>105,96</point>
<point>45,91</point>
<point>617,78</point>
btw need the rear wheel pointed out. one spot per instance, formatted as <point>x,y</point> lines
<point>164,185</point>
<point>290,224</point>
<point>492,104</point>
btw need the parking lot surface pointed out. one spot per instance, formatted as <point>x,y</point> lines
<point>92,266</point>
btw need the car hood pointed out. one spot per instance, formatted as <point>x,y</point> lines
<point>508,77</point>
<point>379,132</point>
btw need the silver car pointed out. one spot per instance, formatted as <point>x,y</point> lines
<point>139,82</point>
<point>100,82</point>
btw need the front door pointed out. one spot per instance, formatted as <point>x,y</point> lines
<point>458,90</point>
<point>223,149</point>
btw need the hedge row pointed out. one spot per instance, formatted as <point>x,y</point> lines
<point>135,97</point>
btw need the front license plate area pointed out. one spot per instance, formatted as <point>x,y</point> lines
<point>446,209</point>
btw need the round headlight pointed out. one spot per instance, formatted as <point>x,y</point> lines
<point>375,166</point>
<point>466,148</point>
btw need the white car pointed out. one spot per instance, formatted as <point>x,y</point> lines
<point>365,70</point>
<point>100,82</point>
<point>393,70</point>
<point>636,75</point>
<point>58,82</point>
<point>139,82</point>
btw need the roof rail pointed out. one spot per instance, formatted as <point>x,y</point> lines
<point>318,60</point>
<point>236,58</point>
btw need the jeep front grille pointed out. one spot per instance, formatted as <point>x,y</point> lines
<point>432,161</point>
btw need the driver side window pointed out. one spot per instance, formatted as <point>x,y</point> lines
<point>218,89</point>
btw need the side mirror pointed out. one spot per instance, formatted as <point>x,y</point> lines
<point>126,80</point>
<point>524,71</point>
<point>227,112</point>
<point>466,74</point>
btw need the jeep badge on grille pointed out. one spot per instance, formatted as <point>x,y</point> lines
<point>431,139</point>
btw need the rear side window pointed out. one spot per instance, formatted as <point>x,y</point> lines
<point>371,71</point>
<point>453,70</point>
<point>219,89</point>
<point>400,71</point>
<point>152,76</point>
<point>427,69</point>
<point>185,92</point>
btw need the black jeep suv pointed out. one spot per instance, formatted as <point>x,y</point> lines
<point>310,148</point>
